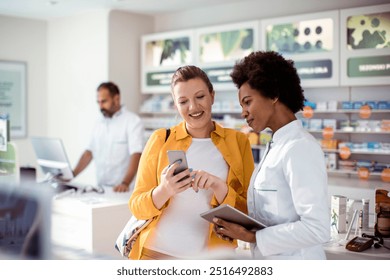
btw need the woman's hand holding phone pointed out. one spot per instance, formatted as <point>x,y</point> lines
<point>178,183</point>
<point>171,184</point>
<point>198,180</point>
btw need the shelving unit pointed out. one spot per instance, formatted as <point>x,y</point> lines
<point>355,135</point>
<point>355,173</point>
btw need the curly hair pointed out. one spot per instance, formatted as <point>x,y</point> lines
<point>188,72</point>
<point>272,76</point>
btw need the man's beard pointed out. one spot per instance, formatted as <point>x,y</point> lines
<point>106,113</point>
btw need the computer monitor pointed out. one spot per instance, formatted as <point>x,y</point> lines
<point>25,230</point>
<point>52,158</point>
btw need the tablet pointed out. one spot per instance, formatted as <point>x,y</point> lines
<point>230,214</point>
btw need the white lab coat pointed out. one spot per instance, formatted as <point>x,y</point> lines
<point>289,195</point>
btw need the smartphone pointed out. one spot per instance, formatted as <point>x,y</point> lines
<point>174,156</point>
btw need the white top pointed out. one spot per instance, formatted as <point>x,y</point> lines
<point>113,141</point>
<point>181,232</point>
<point>289,194</point>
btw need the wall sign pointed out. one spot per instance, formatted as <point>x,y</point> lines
<point>314,69</point>
<point>365,45</point>
<point>311,41</point>
<point>13,96</point>
<point>162,54</point>
<point>219,47</point>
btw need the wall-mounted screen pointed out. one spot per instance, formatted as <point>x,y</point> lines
<point>311,41</point>
<point>368,31</point>
<point>306,36</point>
<point>219,47</point>
<point>365,45</point>
<point>168,52</point>
<point>162,54</point>
<point>226,45</point>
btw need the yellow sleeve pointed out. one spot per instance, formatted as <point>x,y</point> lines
<point>141,203</point>
<point>238,187</point>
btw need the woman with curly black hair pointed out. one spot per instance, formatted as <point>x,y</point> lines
<point>288,189</point>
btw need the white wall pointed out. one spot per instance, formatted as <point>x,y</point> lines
<point>77,64</point>
<point>26,40</point>
<point>125,31</point>
<point>251,10</point>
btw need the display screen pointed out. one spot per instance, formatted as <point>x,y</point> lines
<point>300,37</point>
<point>168,52</point>
<point>370,31</point>
<point>225,46</point>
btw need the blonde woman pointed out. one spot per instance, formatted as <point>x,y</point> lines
<point>221,162</point>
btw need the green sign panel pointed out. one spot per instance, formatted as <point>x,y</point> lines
<point>314,69</point>
<point>220,75</point>
<point>372,66</point>
<point>159,78</point>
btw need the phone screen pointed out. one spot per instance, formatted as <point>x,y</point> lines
<point>174,156</point>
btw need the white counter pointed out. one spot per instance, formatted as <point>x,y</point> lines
<point>337,250</point>
<point>89,223</point>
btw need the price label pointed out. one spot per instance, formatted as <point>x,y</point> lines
<point>363,173</point>
<point>385,175</point>
<point>365,112</point>
<point>345,152</point>
<point>307,112</point>
<point>328,133</point>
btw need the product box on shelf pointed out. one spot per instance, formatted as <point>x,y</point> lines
<point>332,105</point>
<point>315,124</point>
<point>347,165</point>
<point>346,105</point>
<point>329,143</point>
<point>385,125</point>
<point>357,104</point>
<point>331,161</point>
<point>323,106</point>
<point>330,123</point>
<point>383,105</point>
<point>338,212</point>
<point>382,211</point>
<point>373,105</point>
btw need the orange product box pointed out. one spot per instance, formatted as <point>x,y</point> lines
<point>329,143</point>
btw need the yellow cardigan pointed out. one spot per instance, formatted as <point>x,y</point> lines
<point>235,149</point>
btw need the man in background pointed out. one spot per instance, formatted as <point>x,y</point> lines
<point>116,143</point>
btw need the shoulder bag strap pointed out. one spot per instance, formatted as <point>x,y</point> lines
<point>167,135</point>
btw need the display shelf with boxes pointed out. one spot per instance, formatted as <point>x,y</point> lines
<point>354,135</point>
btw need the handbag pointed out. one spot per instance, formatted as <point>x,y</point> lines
<point>129,234</point>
